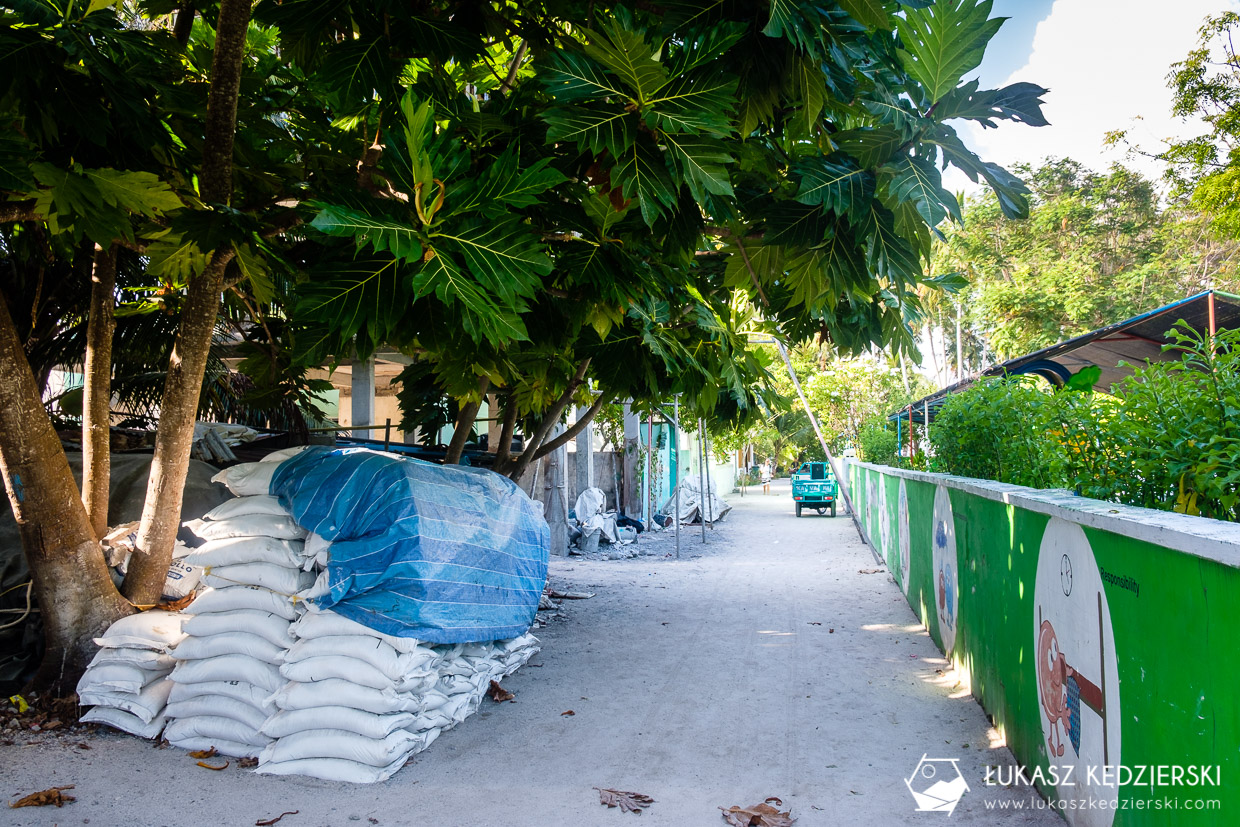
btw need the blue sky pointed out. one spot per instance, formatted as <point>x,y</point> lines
<point>1105,63</point>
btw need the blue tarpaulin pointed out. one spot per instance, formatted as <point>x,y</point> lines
<point>445,554</point>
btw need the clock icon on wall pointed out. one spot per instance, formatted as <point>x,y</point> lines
<point>1065,575</point>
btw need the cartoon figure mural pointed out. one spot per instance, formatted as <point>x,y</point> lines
<point>1077,678</point>
<point>946,568</point>
<point>884,523</point>
<point>903,542</point>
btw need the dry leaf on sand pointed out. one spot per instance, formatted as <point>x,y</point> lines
<point>270,821</point>
<point>42,798</point>
<point>207,766</point>
<point>498,693</point>
<point>759,815</point>
<point>203,753</point>
<point>626,801</point>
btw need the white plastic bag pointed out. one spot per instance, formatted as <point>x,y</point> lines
<point>248,478</point>
<point>228,668</point>
<point>245,506</point>
<point>125,721</point>
<point>268,626</point>
<point>248,525</point>
<point>156,629</point>
<point>327,624</point>
<point>367,724</point>
<point>279,579</point>
<point>232,551</point>
<point>255,696</point>
<point>232,598</point>
<point>231,643</point>
<point>146,704</point>
<point>334,743</point>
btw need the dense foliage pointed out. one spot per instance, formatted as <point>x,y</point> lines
<point>1168,438</point>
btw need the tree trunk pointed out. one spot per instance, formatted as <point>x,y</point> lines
<point>465,425</point>
<point>161,513</point>
<point>550,419</point>
<point>97,392</point>
<point>569,435</point>
<point>503,453</point>
<point>75,593</point>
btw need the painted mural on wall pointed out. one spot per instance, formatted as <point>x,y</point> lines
<point>946,571</point>
<point>884,524</point>
<point>870,503</point>
<point>1077,678</point>
<point>904,560</point>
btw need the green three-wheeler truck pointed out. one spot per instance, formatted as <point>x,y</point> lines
<point>813,486</point>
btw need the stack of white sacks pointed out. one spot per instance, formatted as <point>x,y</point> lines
<point>127,680</point>
<point>259,673</point>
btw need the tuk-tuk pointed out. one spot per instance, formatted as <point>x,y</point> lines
<point>813,486</point>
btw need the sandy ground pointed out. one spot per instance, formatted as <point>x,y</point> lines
<point>764,663</point>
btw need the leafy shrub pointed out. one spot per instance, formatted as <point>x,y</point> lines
<point>877,442</point>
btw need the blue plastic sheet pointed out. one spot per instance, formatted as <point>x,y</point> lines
<point>445,554</point>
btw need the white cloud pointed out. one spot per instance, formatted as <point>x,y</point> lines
<point>1105,63</point>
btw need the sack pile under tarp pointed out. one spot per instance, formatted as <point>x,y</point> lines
<point>262,670</point>
<point>693,507</point>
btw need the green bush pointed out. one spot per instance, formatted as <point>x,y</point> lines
<point>1168,438</point>
<point>877,442</point>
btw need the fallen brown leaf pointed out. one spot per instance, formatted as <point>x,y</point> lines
<point>51,725</point>
<point>498,693</point>
<point>52,795</point>
<point>626,801</point>
<point>868,571</point>
<point>177,605</point>
<point>203,753</point>
<point>207,766</point>
<point>566,713</point>
<point>759,815</point>
<point>247,763</point>
<point>271,821</point>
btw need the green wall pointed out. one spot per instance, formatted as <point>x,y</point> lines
<point>1150,631</point>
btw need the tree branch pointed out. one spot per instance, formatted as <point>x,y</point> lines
<point>578,426</point>
<point>503,453</point>
<point>18,211</point>
<point>550,418</point>
<point>465,424</point>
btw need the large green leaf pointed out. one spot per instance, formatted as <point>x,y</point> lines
<point>595,127</point>
<point>380,234</point>
<point>916,180</point>
<point>872,146</point>
<point>835,182</point>
<point>627,55</point>
<point>572,76</point>
<point>482,317</point>
<point>765,260</point>
<point>1021,102</point>
<point>502,255</point>
<point>347,305</point>
<point>641,174</point>
<point>806,83</point>
<point>502,186</point>
<point>888,253</point>
<point>944,42</point>
<point>696,103</point>
<point>869,12</point>
<point>701,163</point>
<point>1011,191</point>
<point>97,203</point>
<point>354,71</point>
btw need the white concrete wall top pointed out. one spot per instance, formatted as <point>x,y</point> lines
<point>1199,536</point>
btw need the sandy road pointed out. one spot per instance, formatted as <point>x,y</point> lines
<point>765,663</point>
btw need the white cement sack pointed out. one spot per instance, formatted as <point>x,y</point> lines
<point>246,506</point>
<point>115,677</point>
<point>434,719</point>
<point>333,769</point>
<point>279,579</point>
<point>232,749</point>
<point>248,525</point>
<point>315,545</point>
<point>125,721</point>
<point>328,624</point>
<point>591,501</point>
<point>249,478</point>
<point>146,704</point>
<point>284,453</point>
<point>268,626</point>
<point>366,724</point>
<point>337,692</point>
<point>255,696</point>
<point>217,706</point>
<point>320,586</point>
<point>433,699</point>
<point>231,643</point>
<point>228,668</point>
<point>156,629</point>
<point>373,651</point>
<point>233,551</point>
<point>349,746</point>
<point>149,660</point>
<point>232,598</point>
<point>336,666</point>
<point>211,726</point>
<point>182,578</point>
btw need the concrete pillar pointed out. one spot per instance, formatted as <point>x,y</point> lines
<point>495,425</point>
<point>585,456</point>
<point>632,494</point>
<point>555,499</point>
<point>363,404</point>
